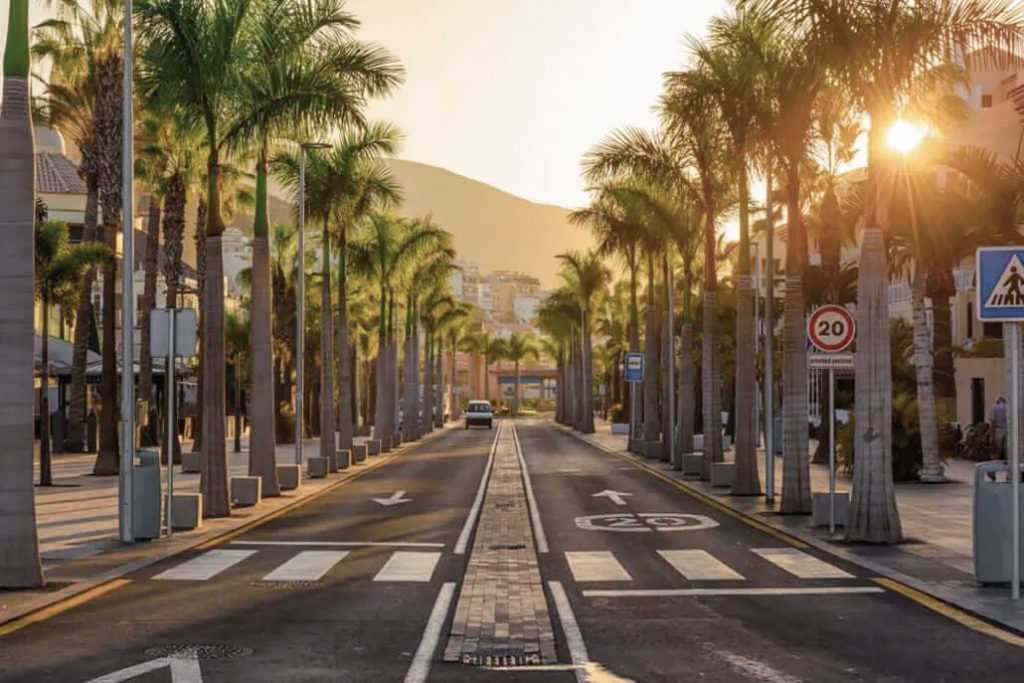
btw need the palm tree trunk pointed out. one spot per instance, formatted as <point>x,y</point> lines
<point>711,384</point>
<point>409,417</point>
<point>346,396</point>
<point>328,443</point>
<point>452,395</point>
<point>687,375</point>
<point>666,349</point>
<point>746,480</point>
<point>940,288</point>
<point>107,460</point>
<point>19,545</point>
<point>213,474</point>
<point>45,453</point>
<point>634,347</point>
<point>202,211</point>
<point>84,317</point>
<point>148,298</point>
<point>238,404</point>
<point>519,397</point>
<point>931,466</point>
<point>652,426</point>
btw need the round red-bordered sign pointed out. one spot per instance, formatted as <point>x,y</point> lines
<point>831,328</point>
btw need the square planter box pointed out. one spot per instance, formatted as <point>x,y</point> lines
<point>721,473</point>
<point>187,510</point>
<point>820,508</point>
<point>373,447</point>
<point>289,476</point>
<point>317,467</point>
<point>653,449</point>
<point>396,440</point>
<point>343,458</point>
<point>620,428</point>
<point>693,464</point>
<point>246,490</point>
<point>359,452</point>
<point>385,444</point>
<point>190,462</point>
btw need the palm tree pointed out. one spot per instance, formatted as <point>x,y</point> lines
<point>236,340</point>
<point>59,269</point>
<point>283,276</point>
<point>588,277</point>
<point>519,347</point>
<point>884,47</point>
<point>19,544</point>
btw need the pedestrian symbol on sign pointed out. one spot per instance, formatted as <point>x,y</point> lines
<point>1009,289</point>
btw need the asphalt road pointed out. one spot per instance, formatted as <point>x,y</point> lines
<point>346,588</point>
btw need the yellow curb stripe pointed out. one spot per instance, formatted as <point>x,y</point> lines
<point>62,606</point>
<point>950,612</point>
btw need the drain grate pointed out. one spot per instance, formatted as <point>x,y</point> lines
<point>507,546</point>
<point>510,505</point>
<point>285,585</point>
<point>502,657</point>
<point>198,651</point>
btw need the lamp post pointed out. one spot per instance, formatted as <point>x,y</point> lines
<point>300,323</point>
<point>125,529</point>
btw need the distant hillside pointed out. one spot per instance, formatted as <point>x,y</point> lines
<point>497,230</point>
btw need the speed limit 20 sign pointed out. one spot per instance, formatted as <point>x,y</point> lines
<point>831,328</point>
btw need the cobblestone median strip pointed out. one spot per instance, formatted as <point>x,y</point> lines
<point>502,618</point>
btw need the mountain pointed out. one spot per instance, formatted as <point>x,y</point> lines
<point>492,228</point>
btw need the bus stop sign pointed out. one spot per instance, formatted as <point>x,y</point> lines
<point>634,367</point>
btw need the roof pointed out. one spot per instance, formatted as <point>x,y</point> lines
<point>57,174</point>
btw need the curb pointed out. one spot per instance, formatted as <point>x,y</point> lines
<point>80,592</point>
<point>912,588</point>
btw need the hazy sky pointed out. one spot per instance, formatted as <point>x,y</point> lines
<point>513,92</point>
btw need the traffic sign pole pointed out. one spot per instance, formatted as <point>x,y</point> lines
<point>832,451</point>
<point>1014,436</point>
<point>169,439</point>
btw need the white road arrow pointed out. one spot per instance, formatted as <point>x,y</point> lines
<point>395,499</point>
<point>184,669</point>
<point>614,496</point>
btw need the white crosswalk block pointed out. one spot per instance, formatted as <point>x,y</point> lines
<point>597,565</point>
<point>404,565</point>
<point>205,566</point>
<point>800,564</point>
<point>309,565</point>
<point>700,565</point>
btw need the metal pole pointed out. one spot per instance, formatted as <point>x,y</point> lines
<point>757,341</point>
<point>671,367</point>
<point>300,325</point>
<point>170,439</point>
<point>583,365</point>
<point>1014,438</point>
<point>769,343</point>
<point>832,451</point>
<point>127,299</point>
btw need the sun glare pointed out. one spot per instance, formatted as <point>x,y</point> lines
<point>904,136</point>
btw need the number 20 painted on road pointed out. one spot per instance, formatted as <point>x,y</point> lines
<point>831,328</point>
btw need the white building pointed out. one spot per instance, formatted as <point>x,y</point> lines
<point>237,257</point>
<point>525,306</point>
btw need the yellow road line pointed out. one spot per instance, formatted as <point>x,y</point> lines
<point>950,612</point>
<point>62,606</point>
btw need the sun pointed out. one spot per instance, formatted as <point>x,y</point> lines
<point>904,136</point>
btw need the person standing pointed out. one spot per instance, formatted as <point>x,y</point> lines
<point>997,419</point>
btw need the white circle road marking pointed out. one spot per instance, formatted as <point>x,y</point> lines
<point>645,522</point>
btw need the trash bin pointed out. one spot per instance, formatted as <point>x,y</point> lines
<point>993,540</point>
<point>146,495</point>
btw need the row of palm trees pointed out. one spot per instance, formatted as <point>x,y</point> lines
<point>776,90</point>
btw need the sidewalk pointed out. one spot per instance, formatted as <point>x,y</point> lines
<point>77,522</point>
<point>936,557</point>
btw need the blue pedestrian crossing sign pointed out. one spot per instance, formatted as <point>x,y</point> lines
<point>634,367</point>
<point>1000,288</point>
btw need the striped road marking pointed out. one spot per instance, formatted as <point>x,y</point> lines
<point>739,592</point>
<point>205,566</point>
<point>408,566</point>
<point>800,564</point>
<point>699,565</point>
<point>309,565</point>
<point>597,565</point>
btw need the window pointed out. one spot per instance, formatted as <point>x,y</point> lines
<point>977,400</point>
<point>986,101</point>
<point>970,320</point>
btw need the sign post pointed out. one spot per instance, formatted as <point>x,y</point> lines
<point>1000,272</point>
<point>831,329</point>
<point>634,373</point>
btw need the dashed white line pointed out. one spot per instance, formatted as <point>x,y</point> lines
<point>800,564</point>
<point>474,512</point>
<point>596,565</point>
<point>408,566</point>
<point>538,527</point>
<point>342,544</point>
<point>710,592</point>
<point>205,566</point>
<point>699,565</point>
<point>420,667</point>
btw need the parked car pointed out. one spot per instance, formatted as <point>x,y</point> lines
<point>479,413</point>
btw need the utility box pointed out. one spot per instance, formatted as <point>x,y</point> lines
<point>146,495</point>
<point>993,538</point>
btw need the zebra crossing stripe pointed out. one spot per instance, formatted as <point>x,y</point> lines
<point>408,566</point>
<point>205,566</point>
<point>700,565</point>
<point>800,564</point>
<point>598,565</point>
<point>309,565</point>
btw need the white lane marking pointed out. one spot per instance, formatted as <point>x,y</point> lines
<point>597,565</point>
<point>184,669</point>
<point>800,564</point>
<point>755,670</point>
<point>614,496</point>
<point>395,499</point>
<point>699,565</point>
<point>204,567</point>
<point>343,544</point>
<point>420,667</point>
<point>474,512</point>
<point>408,566</point>
<point>753,592</point>
<point>571,629</point>
<point>309,565</point>
<point>531,502</point>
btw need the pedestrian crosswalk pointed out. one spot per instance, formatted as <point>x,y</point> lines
<point>600,566</point>
<point>305,565</point>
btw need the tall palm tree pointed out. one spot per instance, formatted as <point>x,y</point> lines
<point>559,318</point>
<point>59,269</point>
<point>881,48</point>
<point>19,544</point>
<point>519,347</point>
<point>589,277</point>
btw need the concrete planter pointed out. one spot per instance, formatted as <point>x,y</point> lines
<point>373,447</point>
<point>620,428</point>
<point>187,510</point>
<point>343,458</point>
<point>289,476</point>
<point>190,462</point>
<point>820,508</point>
<point>693,464</point>
<point>246,491</point>
<point>359,452</point>
<point>317,467</point>
<point>722,474</point>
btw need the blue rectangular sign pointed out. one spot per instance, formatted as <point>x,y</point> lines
<point>1000,286</point>
<point>634,367</point>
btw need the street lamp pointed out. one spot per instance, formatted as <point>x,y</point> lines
<point>300,324</point>
<point>126,532</point>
